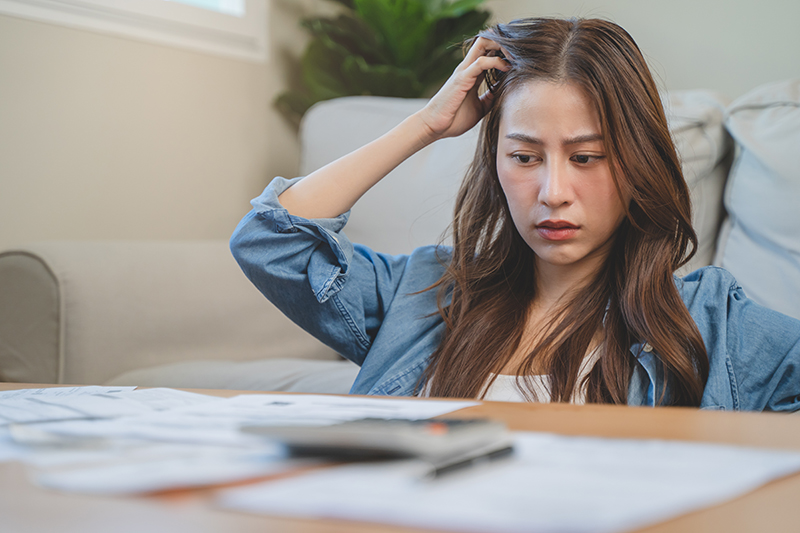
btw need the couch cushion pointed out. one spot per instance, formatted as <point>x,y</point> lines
<point>696,120</point>
<point>760,240</point>
<point>286,375</point>
<point>413,206</point>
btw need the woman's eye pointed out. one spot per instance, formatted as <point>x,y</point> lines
<point>583,159</point>
<point>522,158</point>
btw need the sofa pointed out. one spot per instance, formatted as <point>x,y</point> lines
<point>181,314</point>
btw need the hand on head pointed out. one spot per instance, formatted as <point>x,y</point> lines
<point>459,104</point>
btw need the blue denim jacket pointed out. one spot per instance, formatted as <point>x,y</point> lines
<point>367,307</point>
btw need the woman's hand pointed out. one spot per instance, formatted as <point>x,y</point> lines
<point>457,107</point>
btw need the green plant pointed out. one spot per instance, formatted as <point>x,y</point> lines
<point>399,48</point>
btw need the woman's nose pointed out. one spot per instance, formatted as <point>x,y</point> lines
<point>555,190</point>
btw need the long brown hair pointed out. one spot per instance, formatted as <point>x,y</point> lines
<point>489,283</point>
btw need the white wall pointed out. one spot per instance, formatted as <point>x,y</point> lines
<point>103,137</point>
<point>109,138</point>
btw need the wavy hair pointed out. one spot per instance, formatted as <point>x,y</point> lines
<point>485,293</point>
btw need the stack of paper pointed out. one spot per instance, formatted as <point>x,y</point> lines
<point>123,441</point>
<point>553,483</point>
<point>116,440</point>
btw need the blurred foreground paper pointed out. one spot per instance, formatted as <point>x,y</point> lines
<point>553,483</point>
<point>122,441</point>
<point>218,422</point>
<point>159,467</point>
<point>26,406</point>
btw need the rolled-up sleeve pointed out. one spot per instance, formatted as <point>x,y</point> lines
<point>754,352</point>
<point>766,345</point>
<point>335,290</point>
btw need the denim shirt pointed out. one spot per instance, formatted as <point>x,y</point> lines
<point>367,306</point>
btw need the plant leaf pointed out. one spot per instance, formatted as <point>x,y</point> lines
<point>381,47</point>
<point>351,33</point>
<point>381,80</point>
<point>322,72</point>
<point>457,8</point>
<point>451,32</point>
<point>404,25</point>
<point>445,53</point>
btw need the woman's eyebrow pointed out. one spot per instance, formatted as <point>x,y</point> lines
<point>527,139</point>
<point>580,139</point>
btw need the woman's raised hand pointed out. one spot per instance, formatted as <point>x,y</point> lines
<point>458,106</point>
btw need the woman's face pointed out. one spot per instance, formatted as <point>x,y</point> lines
<point>554,172</point>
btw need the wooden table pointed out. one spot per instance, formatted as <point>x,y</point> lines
<point>774,508</point>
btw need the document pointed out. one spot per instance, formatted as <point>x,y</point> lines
<point>61,392</point>
<point>30,405</point>
<point>218,422</point>
<point>26,413</point>
<point>151,468</point>
<point>101,440</point>
<point>553,483</point>
<point>75,403</point>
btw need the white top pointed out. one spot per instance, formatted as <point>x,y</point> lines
<point>506,389</point>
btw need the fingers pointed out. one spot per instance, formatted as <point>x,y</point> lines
<point>459,104</point>
<point>506,54</point>
<point>482,56</point>
<point>484,63</point>
<point>481,47</point>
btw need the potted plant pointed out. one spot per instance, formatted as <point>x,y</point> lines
<point>402,48</point>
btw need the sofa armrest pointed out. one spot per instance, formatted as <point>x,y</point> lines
<point>85,312</point>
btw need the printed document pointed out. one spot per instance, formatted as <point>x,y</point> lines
<point>553,483</point>
<point>116,440</point>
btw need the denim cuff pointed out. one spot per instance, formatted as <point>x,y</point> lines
<point>326,271</point>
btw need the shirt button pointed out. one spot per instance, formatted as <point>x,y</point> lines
<point>647,348</point>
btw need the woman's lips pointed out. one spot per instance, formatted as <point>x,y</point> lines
<point>556,230</point>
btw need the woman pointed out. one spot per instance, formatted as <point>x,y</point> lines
<point>567,230</point>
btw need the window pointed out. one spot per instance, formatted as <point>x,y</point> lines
<point>228,7</point>
<point>233,28</point>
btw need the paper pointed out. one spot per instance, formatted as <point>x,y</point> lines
<point>218,422</point>
<point>31,405</point>
<point>9,449</point>
<point>61,392</point>
<point>553,483</point>
<point>120,441</point>
<point>26,413</point>
<point>162,467</point>
<point>70,403</point>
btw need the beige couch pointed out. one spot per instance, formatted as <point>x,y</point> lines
<point>181,314</point>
